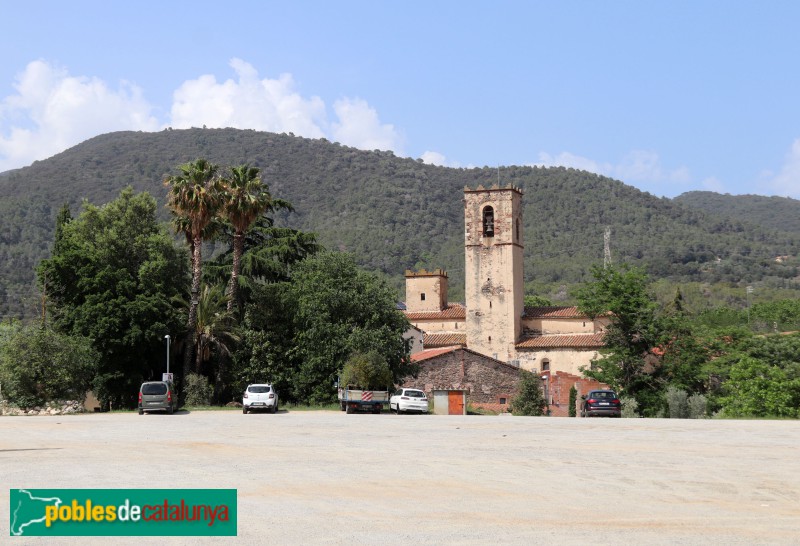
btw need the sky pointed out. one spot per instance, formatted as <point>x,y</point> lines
<point>667,96</point>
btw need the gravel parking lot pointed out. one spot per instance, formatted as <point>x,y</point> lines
<point>327,477</point>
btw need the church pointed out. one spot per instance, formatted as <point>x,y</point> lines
<point>554,342</point>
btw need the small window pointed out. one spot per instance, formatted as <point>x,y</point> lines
<point>545,365</point>
<point>488,222</point>
<point>422,296</point>
<point>502,400</point>
<point>517,229</point>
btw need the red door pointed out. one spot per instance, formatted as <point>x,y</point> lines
<point>455,403</point>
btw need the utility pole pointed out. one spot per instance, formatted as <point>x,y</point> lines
<point>607,247</point>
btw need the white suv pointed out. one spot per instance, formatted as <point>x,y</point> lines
<point>259,396</point>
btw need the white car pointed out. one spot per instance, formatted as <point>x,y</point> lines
<point>408,400</point>
<point>259,396</point>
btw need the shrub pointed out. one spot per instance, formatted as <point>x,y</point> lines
<point>197,391</point>
<point>368,371</point>
<point>573,398</point>
<point>677,403</point>
<point>629,406</point>
<point>38,365</point>
<point>530,400</point>
<point>698,406</point>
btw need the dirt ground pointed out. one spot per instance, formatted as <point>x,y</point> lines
<point>326,477</point>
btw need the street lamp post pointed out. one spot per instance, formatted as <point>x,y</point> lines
<point>167,338</point>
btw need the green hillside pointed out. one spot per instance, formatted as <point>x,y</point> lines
<point>392,213</point>
<point>780,213</point>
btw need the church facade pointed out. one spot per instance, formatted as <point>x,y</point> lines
<point>494,321</point>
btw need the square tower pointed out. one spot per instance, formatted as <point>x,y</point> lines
<point>494,287</point>
<point>426,291</point>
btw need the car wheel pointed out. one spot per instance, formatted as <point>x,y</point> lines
<point>244,410</point>
<point>170,410</point>
<point>348,409</point>
<point>274,409</point>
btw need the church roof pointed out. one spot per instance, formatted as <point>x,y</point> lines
<point>444,340</point>
<point>452,311</point>
<point>562,341</point>
<point>553,311</point>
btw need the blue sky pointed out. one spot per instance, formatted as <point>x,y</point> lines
<point>667,96</point>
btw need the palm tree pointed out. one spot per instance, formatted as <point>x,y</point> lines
<point>213,331</point>
<point>194,197</point>
<point>246,199</point>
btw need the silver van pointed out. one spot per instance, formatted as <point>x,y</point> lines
<point>157,396</point>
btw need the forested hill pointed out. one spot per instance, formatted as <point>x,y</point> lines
<point>780,213</point>
<point>392,213</point>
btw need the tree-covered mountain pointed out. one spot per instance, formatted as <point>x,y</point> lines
<point>392,213</point>
<point>780,213</point>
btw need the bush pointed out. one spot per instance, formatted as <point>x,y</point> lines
<point>629,406</point>
<point>38,365</point>
<point>368,371</point>
<point>677,403</point>
<point>573,399</point>
<point>197,391</point>
<point>698,406</point>
<point>530,400</point>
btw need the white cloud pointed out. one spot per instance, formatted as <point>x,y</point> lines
<point>248,103</point>
<point>640,168</point>
<point>435,158</point>
<point>713,184</point>
<point>787,181</point>
<point>53,111</point>
<point>359,126</point>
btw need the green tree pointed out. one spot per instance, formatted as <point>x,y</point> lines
<point>245,199</point>
<point>37,365</point>
<point>367,371</point>
<point>573,400</point>
<point>620,292</point>
<point>339,310</point>
<point>195,196</point>
<point>530,399</point>
<point>759,389</point>
<point>215,334</point>
<point>112,279</point>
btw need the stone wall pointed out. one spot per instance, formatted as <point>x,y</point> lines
<point>558,385</point>
<point>491,384</point>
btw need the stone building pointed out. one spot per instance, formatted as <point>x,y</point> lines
<point>494,321</point>
<point>490,384</point>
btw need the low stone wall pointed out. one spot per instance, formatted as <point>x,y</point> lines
<point>64,407</point>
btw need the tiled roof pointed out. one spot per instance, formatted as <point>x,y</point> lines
<point>443,340</point>
<point>562,341</point>
<point>430,353</point>
<point>552,312</point>
<point>453,311</point>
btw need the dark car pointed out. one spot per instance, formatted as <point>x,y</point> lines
<point>157,396</point>
<point>601,403</point>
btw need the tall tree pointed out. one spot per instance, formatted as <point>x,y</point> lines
<point>621,292</point>
<point>339,310</point>
<point>214,332</point>
<point>195,196</point>
<point>112,278</point>
<point>246,198</point>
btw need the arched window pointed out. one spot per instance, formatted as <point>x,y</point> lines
<point>517,228</point>
<point>488,222</point>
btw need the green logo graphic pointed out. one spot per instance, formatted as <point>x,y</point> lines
<point>123,512</point>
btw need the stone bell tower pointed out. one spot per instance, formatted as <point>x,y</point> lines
<point>493,270</point>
